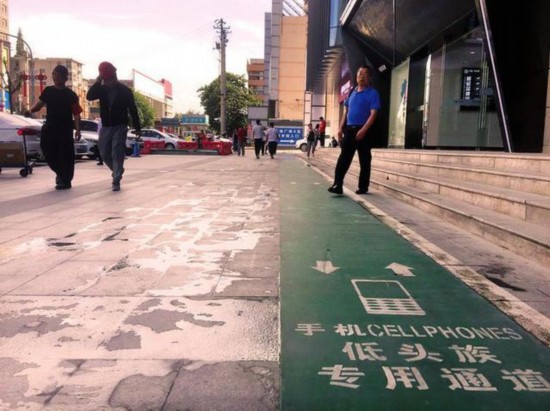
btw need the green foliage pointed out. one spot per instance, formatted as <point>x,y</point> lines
<point>238,98</point>
<point>145,111</point>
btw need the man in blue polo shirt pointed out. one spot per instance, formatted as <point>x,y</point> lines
<point>361,110</point>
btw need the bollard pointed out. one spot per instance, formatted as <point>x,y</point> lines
<point>136,149</point>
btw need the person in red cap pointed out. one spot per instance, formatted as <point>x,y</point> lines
<point>116,101</point>
<point>56,139</point>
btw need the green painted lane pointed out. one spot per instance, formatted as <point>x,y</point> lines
<point>369,322</point>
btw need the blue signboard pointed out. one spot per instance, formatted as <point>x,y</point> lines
<point>196,120</point>
<point>289,135</point>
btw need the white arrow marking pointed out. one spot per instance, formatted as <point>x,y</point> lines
<point>325,267</point>
<point>401,270</point>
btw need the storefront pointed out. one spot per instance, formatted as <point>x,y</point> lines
<point>444,68</point>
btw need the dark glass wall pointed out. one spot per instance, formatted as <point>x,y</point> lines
<point>521,40</point>
<point>416,23</point>
<point>317,39</point>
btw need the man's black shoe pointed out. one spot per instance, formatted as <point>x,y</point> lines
<point>62,186</point>
<point>335,190</point>
<point>362,191</point>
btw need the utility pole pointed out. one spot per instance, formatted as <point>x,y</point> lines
<point>223,31</point>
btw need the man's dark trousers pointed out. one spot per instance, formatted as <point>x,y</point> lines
<point>258,144</point>
<point>58,148</point>
<point>349,145</point>
<point>322,139</point>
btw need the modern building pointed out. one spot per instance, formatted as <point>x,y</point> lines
<point>168,98</point>
<point>255,69</point>
<point>284,69</point>
<point>4,20</point>
<point>452,74</point>
<point>285,60</point>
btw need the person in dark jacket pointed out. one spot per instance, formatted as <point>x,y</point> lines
<point>116,101</point>
<point>57,133</point>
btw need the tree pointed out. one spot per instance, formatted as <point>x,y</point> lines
<point>10,84</point>
<point>145,111</point>
<point>238,98</point>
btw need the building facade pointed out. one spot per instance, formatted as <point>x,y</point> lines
<point>255,69</point>
<point>451,74</point>
<point>4,20</point>
<point>285,60</point>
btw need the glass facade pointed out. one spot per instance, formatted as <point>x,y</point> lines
<point>460,102</point>
<point>336,8</point>
<point>398,105</point>
<point>456,74</point>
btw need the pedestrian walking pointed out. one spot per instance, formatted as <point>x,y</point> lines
<point>272,139</point>
<point>258,136</point>
<point>56,141</point>
<point>310,141</point>
<point>241,136</point>
<point>116,101</point>
<point>361,110</point>
<point>317,136</point>
<point>322,131</point>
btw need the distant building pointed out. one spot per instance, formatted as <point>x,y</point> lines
<point>285,60</point>
<point>4,20</point>
<point>4,50</point>
<point>157,93</point>
<point>255,69</point>
<point>168,99</point>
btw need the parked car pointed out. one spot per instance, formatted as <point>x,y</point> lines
<point>89,141</point>
<point>87,146</point>
<point>89,125</point>
<point>301,144</point>
<point>12,128</point>
<point>150,134</point>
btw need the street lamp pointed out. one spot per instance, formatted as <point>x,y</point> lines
<point>31,65</point>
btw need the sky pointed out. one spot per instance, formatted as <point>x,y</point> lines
<point>170,39</point>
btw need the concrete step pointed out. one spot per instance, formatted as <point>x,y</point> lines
<point>524,163</point>
<point>529,182</point>
<point>525,237</point>
<point>533,208</point>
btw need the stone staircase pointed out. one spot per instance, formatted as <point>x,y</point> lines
<point>503,198</point>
